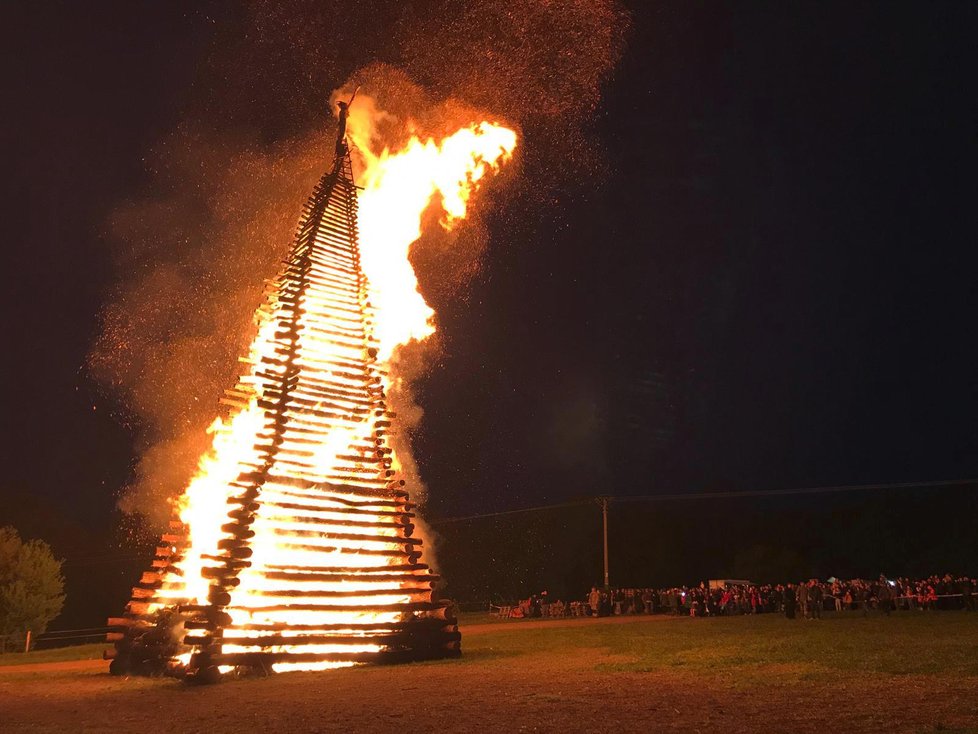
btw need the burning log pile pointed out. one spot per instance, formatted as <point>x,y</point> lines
<point>295,546</point>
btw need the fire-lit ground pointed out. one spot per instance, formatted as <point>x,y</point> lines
<point>906,673</point>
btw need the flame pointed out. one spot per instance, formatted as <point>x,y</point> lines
<point>398,187</point>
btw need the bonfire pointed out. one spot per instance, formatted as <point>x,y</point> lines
<point>295,546</point>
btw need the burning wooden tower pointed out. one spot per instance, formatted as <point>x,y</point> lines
<point>296,547</point>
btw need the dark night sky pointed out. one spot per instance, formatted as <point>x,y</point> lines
<point>774,287</point>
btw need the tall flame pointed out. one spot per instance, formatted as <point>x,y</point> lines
<point>398,187</point>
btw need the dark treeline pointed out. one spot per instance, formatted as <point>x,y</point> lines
<point>671,543</point>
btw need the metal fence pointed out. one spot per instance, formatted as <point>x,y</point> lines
<point>27,641</point>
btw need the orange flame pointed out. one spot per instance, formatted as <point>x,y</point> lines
<point>398,188</point>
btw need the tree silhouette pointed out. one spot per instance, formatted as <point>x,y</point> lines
<point>31,585</point>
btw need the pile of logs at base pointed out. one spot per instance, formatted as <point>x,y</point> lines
<point>355,524</point>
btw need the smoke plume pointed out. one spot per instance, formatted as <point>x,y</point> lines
<point>225,188</point>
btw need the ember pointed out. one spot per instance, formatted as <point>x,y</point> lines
<point>294,546</point>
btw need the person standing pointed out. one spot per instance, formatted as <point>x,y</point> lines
<point>837,595</point>
<point>647,601</point>
<point>815,600</point>
<point>864,596</point>
<point>803,599</point>
<point>884,596</point>
<point>967,594</point>
<point>789,602</point>
<point>594,601</point>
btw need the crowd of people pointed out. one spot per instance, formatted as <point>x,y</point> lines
<point>806,599</point>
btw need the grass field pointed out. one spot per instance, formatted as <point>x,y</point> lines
<point>945,644</point>
<point>59,654</point>
<point>912,672</point>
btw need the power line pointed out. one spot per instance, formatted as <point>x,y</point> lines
<point>800,490</point>
<point>573,503</point>
<point>719,495</point>
<point>604,501</point>
<point>108,558</point>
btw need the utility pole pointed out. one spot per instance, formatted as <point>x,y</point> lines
<point>604,517</point>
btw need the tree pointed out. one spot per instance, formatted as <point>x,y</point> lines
<point>31,585</point>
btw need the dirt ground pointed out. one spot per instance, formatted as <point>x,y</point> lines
<point>575,690</point>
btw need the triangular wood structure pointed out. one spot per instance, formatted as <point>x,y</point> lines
<point>345,583</point>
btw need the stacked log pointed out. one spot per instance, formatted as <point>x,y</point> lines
<point>318,562</point>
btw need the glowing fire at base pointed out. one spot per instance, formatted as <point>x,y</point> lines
<point>295,547</point>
